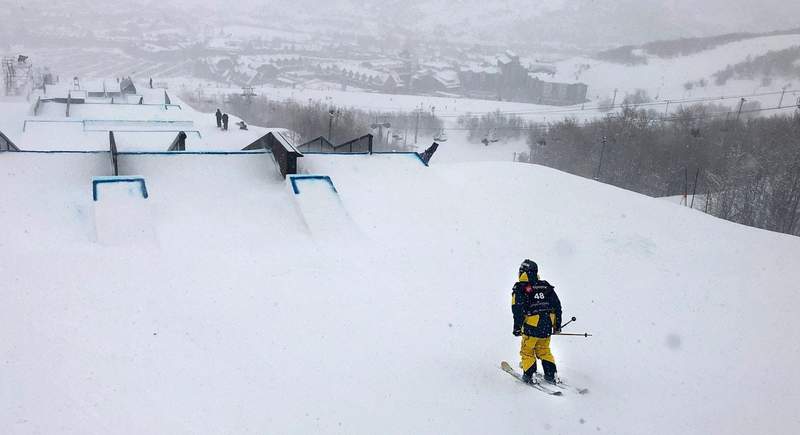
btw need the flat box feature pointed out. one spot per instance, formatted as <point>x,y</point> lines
<point>110,180</point>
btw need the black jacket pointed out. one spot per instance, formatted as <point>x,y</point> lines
<point>536,308</point>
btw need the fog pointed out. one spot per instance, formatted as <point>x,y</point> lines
<point>576,24</point>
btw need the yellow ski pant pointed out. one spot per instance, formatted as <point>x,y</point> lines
<point>532,348</point>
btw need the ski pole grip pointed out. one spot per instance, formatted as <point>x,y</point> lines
<point>571,320</point>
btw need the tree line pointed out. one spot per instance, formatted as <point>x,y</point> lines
<point>747,168</point>
<point>743,168</point>
<point>392,131</point>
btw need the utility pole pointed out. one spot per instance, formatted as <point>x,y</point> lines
<point>333,113</point>
<point>685,200</point>
<point>614,100</point>
<point>666,110</point>
<point>416,127</point>
<point>739,112</point>
<point>600,164</point>
<point>380,130</point>
<point>783,91</point>
<point>694,189</point>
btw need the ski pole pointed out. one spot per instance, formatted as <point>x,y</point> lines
<point>585,334</point>
<point>571,320</point>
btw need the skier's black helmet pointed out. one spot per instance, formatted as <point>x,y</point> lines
<point>529,267</point>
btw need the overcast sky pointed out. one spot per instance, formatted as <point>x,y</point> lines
<point>582,23</point>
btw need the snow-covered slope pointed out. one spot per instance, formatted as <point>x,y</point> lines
<point>151,126</point>
<point>237,318</point>
<point>665,77</point>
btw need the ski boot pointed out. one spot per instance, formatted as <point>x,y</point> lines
<point>550,374</point>
<point>552,378</point>
<point>529,376</point>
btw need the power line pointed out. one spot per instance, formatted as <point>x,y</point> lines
<point>571,109</point>
<point>603,107</point>
<point>673,118</point>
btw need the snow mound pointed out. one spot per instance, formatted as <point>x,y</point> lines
<point>241,320</point>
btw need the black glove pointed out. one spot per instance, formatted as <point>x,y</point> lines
<point>556,329</point>
<point>517,332</point>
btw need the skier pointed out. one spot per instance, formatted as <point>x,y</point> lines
<point>537,315</point>
<point>225,121</point>
<point>219,118</point>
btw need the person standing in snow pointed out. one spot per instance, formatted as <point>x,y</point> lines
<point>219,118</point>
<point>225,121</point>
<point>537,315</point>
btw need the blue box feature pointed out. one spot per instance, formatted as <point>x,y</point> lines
<point>402,153</point>
<point>295,178</point>
<point>103,180</point>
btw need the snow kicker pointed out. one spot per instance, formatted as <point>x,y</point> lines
<point>320,207</point>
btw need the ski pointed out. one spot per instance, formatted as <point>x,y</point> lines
<point>562,384</point>
<point>506,367</point>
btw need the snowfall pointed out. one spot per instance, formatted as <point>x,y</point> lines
<point>663,79</point>
<point>230,300</point>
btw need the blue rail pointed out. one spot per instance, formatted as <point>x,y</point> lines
<point>108,180</point>
<point>295,178</point>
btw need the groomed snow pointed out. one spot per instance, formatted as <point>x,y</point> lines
<point>237,319</point>
<point>666,76</point>
<point>148,127</point>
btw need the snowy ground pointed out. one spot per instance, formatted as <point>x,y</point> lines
<point>238,317</point>
<point>665,77</point>
<point>151,126</point>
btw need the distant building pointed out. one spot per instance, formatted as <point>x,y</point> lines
<point>126,86</point>
<point>362,77</point>
<point>480,81</point>
<point>513,76</point>
<point>430,81</point>
<point>510,80</point>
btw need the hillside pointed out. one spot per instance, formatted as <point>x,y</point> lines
<point>632,54</point>
<point>241,313</point>
<point>690,70</point>
<point>556,23</point>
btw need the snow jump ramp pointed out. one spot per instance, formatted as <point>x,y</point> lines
<point>122,213</point>
<point>320,207</point>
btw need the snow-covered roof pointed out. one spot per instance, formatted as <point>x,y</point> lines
<point>504,59</point>
<point>437,65</point>
<point>448,78</point>
<point>480,68</point>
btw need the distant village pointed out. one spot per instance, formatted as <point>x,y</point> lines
<point>505,78</point>
<point>322,55</point>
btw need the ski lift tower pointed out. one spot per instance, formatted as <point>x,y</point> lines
<point>17,72</point>
<point>248,92</point>
<point>8,74</point>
